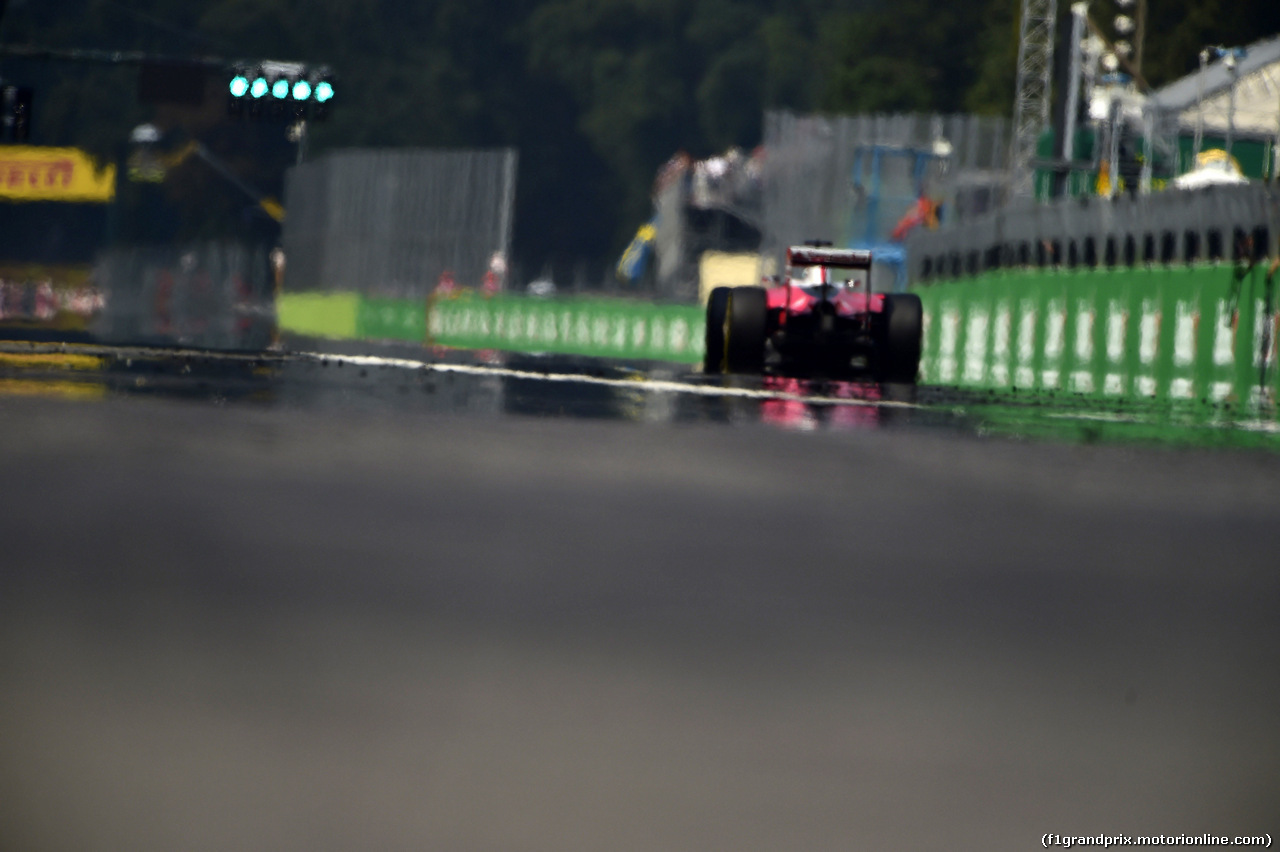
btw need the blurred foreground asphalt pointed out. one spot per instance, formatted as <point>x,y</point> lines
<point>258,628</point>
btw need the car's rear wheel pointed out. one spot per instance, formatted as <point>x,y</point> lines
<point>713,361</point>
<point>903,331</point>
<point>744,343</point>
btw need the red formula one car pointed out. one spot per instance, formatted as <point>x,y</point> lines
<point>822,319</point>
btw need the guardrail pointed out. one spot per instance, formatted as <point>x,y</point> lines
<point>1205,333</point>
<point>576,326</point>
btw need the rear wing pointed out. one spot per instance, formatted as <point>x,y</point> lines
<point>817,256</point>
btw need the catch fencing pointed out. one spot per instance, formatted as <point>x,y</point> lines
<point>850,179</point>
<point>213,295</point>
<point>1175,226</point>
<point>394,222</point>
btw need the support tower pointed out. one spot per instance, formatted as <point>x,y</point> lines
<point>1035,89</point>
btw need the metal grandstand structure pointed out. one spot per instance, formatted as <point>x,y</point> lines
<point>1034,90</point>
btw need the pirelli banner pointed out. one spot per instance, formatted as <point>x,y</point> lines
<point>29,173</point>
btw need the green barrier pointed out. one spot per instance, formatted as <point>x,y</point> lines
<point>392,319</point>
<point>574,326</point>
<point>319,314</point>
<point>594,327</point>
<point>1203,333</point>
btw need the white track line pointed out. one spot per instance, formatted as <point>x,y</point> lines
<point>638,384</point>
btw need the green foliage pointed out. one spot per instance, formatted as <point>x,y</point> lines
<point>1177,31</point>
<point>995,60</point>
<point>595,94</point>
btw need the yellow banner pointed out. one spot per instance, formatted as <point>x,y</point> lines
<point>28,173</point>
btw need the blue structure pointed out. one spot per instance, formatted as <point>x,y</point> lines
<point>866,232</point>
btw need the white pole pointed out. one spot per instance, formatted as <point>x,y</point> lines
<point>1078,12</point>
<point>1148,141</point>
<point>302,141</point>
<point>1230,62</point>
<point>1117,128</point>
<point>1199,141</point>
<point>1275,148</point>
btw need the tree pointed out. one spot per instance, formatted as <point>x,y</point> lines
<point>595,94</point>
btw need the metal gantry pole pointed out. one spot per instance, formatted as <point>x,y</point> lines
<point>1115,117</point>
<point>1148,146</point>
<point>1275,150</point>
<point>1199,138</point>
<point>1078,13</point>
<point>1034,91</point>
<point>1230,62</point>
<point>1140,37</point>
<point>303,136</point>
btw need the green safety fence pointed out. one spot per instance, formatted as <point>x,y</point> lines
<point>1202,333</point>
<point>391,319</point>
<point>610,328</point>
<point>597,327</point>
<point>319,314</point>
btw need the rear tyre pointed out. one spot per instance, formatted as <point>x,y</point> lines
<point>713,361</point>
<point>744,344</point>
<point>903,330</point>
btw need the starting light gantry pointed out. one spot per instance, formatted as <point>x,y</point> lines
<point>282,91</point>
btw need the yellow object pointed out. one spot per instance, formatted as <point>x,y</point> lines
<point>1104,179</point>
<point>147,165</point>
<point>69,390</point>
<point>722,269</point>
<point>50,361</point>
<point>273,208</point>
<point>631,264</point>
<point>30,173</point>
<point>1217,157</point>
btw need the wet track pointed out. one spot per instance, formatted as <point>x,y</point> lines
<point>332,601</point>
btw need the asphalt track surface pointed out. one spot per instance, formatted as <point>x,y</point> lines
<point>279,605</point>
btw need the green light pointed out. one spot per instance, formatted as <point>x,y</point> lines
<point>324,91</point>
<point>280,89</point>
<point>301,90</point>
<point>239,85</point>
<point>259,87</point>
